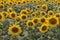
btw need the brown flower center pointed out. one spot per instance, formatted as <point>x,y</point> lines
<point>42,20</point>
<point>23,17</point>
<point>13,15</point>
<point>15,30</point>
<point>52,21</point>
<point>44,28</point>
<point>30,23</point>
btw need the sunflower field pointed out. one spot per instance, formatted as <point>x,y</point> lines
<point>29,19</point>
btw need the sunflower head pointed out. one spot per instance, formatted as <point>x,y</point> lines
<point>34,14</point>
<point>43,13</point>
<point>57,15</point>
<point>24,12</point>
<point>34,1</point>
<point>17,19</point>
<point>1,2</point>
<point>9,2</point>
<point>30,23</point>
<point>36,20</point>
<point>1,6</point>
<point>5,14</point>
<point>50,13</point>
<point>23,17</point>
<point>46,0</point>
<point>53,21</point>
<point>9,10</point>
<point>15,30</point>
<point>27,9</point>
<point>38,7</point>
<point>13,15</point>
<point>43,20</point>
<point>43,28</point>
<point>23,2</point>
<point>44,7</point>
<point>18,2</point>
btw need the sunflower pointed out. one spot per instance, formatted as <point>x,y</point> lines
<point>38,7</point>
<point>1,17</point>
<point>1,2</point>
<point>43,19</point>
<point>14,30</point>
<point>35,20</point>
<point>31,1</point>
<point>42,13</point>
<point>24,12</point>
<point>34,14</point>
<point>23,17</point>
<point>18,2</point>
<point>27,9</point>
<point>58,3</point>
<point>9,2</point>
<point>9,10</point>
<point>53,21</point>
<point>17,19</point>
<point>46,0</point>
<point>43,28</point>
<point>44,7</point>
<point>13,15</point>
<point>57,15</point>
<point>5,14</point>
<point>30,23</point>
<point>34,1</point>
<point>4,1</point>
<point>50,13</point>
<point>14,2</point>
<point>1,6</point>
<point>24,2</point>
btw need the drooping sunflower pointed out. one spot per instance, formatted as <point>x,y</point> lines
<point>13,15</point>
<point>9,10</point>
<point>42,13</point>
<point>30,23</point>
<point>23,17</point>
<point>50,13</point>
<point>43,28</point>
<point>1,17</point>
<point>15,30</point>
<point>5,14</point>
<point>24,12</point>
<point>53,21</point>
<point>43,19</point>
<point>44,7</point>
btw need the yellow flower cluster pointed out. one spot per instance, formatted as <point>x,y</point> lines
<point>47,18</point>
